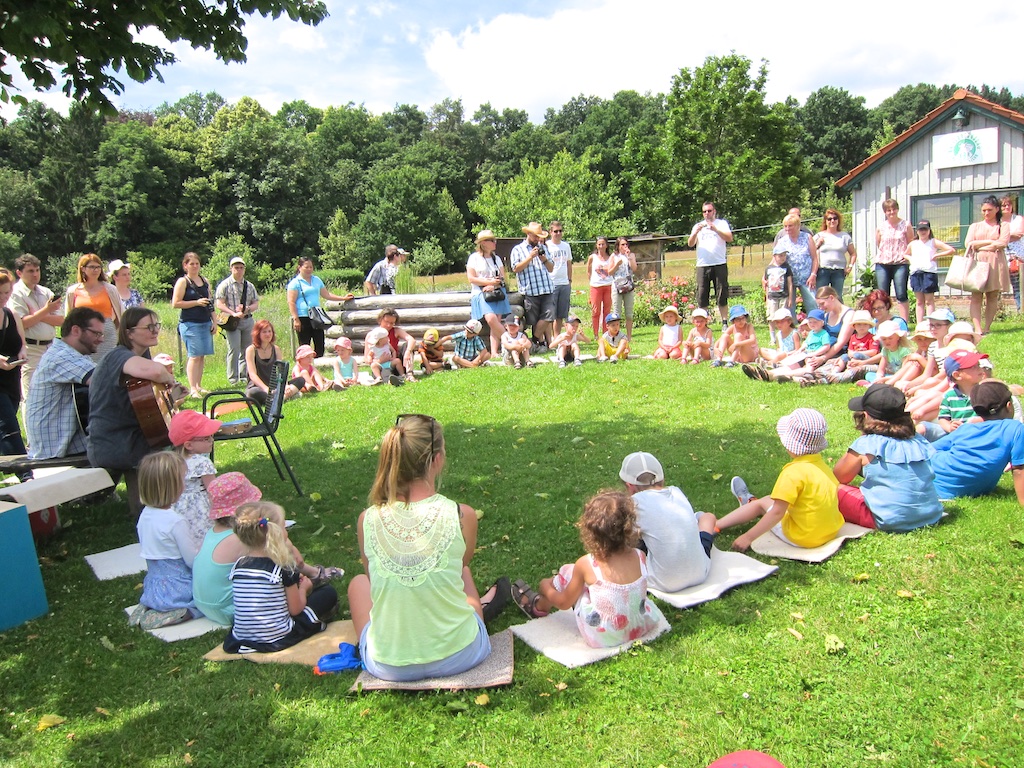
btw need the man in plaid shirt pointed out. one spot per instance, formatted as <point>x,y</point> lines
<point>533,265</point>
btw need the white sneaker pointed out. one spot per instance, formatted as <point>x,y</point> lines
<point>561,364</point>
<point>740,491</point>
<point>577,361</point>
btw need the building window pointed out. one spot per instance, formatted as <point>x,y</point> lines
<point>951,215</point>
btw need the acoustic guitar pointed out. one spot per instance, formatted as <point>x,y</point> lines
<point>153,405</point>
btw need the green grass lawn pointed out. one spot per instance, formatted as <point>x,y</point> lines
<point>931,621</point>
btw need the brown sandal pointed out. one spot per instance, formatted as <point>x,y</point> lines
<point>526,599</point>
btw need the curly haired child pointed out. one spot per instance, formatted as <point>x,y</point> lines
<point>607,588</point>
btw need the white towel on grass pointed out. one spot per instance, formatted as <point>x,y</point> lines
<point>557,637</point>
<point>728,570</point>
<point>772,546</point>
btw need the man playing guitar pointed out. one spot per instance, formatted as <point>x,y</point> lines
<point>58,399</point>
<point>116,441</point>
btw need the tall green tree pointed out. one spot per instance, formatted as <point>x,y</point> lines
<point>834,132</point>
<point>566,188</point>
<point>908,105</point>
<point>197,107</point>
<point>723,142</point>
<point>82,45</point>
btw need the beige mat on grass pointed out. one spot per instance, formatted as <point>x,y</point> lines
<point>114,563</point>
<point>495,670</point>
<point>308,652</point>
<point>728,570</point>
<point>772,546</point>
<point>184,631</point>
<point>557,637</point>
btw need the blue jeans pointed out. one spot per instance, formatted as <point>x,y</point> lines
<point>807,295</point>
<point>897,275</point>
<point>834,277</point>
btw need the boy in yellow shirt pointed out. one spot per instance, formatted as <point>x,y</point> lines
<point>803,508</point>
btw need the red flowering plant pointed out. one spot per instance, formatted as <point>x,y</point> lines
<point>652,296</point>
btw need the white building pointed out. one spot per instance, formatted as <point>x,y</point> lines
<point>940,169</point>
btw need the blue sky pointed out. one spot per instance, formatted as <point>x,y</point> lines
<point>532,55</point>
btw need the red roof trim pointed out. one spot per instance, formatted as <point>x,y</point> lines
<point>912,133</point>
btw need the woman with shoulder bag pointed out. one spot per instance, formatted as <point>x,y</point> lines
<point>192,296</point>
<point>986,242</point>
<point>623,294</point>
<point>486,275</point>
<point>304,293</point>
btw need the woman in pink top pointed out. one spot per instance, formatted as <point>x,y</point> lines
<point>601,268</point>
<point>987,241</point>
<point>891,263</point>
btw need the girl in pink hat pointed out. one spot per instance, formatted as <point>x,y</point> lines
<point>305,370</point>
<point>192,433</point>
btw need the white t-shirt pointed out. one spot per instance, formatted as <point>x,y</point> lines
<point>710,246</point>
<point>675,557</point>
<point>922,256</point>
<point>561,256</point>
<point>489,267</point>
<point>833,248</point>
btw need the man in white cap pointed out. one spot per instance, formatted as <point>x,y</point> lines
<point>533,266</point>
<point>677,540</point>
<point>236,300</point>
<point>381,279</point>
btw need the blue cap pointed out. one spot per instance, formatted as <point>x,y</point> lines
<point>816,314</point>
<point>611,316</point>
<point>943,315</point>
<point>738,311</point>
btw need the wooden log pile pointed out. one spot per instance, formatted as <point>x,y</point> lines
<point>448,312</point>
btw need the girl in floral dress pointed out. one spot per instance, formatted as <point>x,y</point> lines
<point>607,589</point>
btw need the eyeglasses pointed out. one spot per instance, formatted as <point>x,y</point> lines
<point>98,334</point>
<point>556,231</point>
<point>93,266</point>
<point>152,327</point>
<point>831,218</point>
<point>435,438</point>
<point>708,210</point>
<point>878,307</point>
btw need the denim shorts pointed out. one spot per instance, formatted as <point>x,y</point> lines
<point>197,337</point>
<point>469,657</point>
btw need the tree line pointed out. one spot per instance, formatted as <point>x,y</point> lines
<point>340,183</point>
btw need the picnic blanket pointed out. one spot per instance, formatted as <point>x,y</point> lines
<point>307,652</point>
<point>495,670</point>
<point>114,563</point>
<point>728,570</point>
<point>557,637</point>
<point>772,546</point>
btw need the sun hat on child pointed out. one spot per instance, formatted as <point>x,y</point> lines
<point>817,314</point>
<point>880,401</point>
<point>803,432</point>
<point>163,359</point>
<point>473,326</point>
<point>230,491</point>
<point>343,342</point>
<point>641,468</point>
<point>431,335</point>
<point>738,311</point>
<point>862,316</point>
<point>781,314</point>
<point>669,310</point>
<point>889,328</point>
<point>963,328</point>
<point>304,351</point>
<point>374,336</point>
<point>698,312</point>
<point>943,315</point>
<point>188,425</point>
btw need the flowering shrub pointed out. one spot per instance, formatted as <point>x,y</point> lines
<point>654,296</point>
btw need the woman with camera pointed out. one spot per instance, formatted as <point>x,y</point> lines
<point>486,275</point>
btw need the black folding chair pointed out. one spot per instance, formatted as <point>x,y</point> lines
<point>265,418</point>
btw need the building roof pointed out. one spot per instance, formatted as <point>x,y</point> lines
<point>971,101</point>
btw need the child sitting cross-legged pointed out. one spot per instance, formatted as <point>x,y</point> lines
<point>431,352</point>
<point>898,489</point>
<point>276,605</point>
<point>469,349</point>
<point>738,344</point>
<point>787,339</point>
<point>607,588</point>
<point>803,508</point>
<point>312,379</point>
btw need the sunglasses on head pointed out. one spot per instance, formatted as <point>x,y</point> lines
<point>435,438</point>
